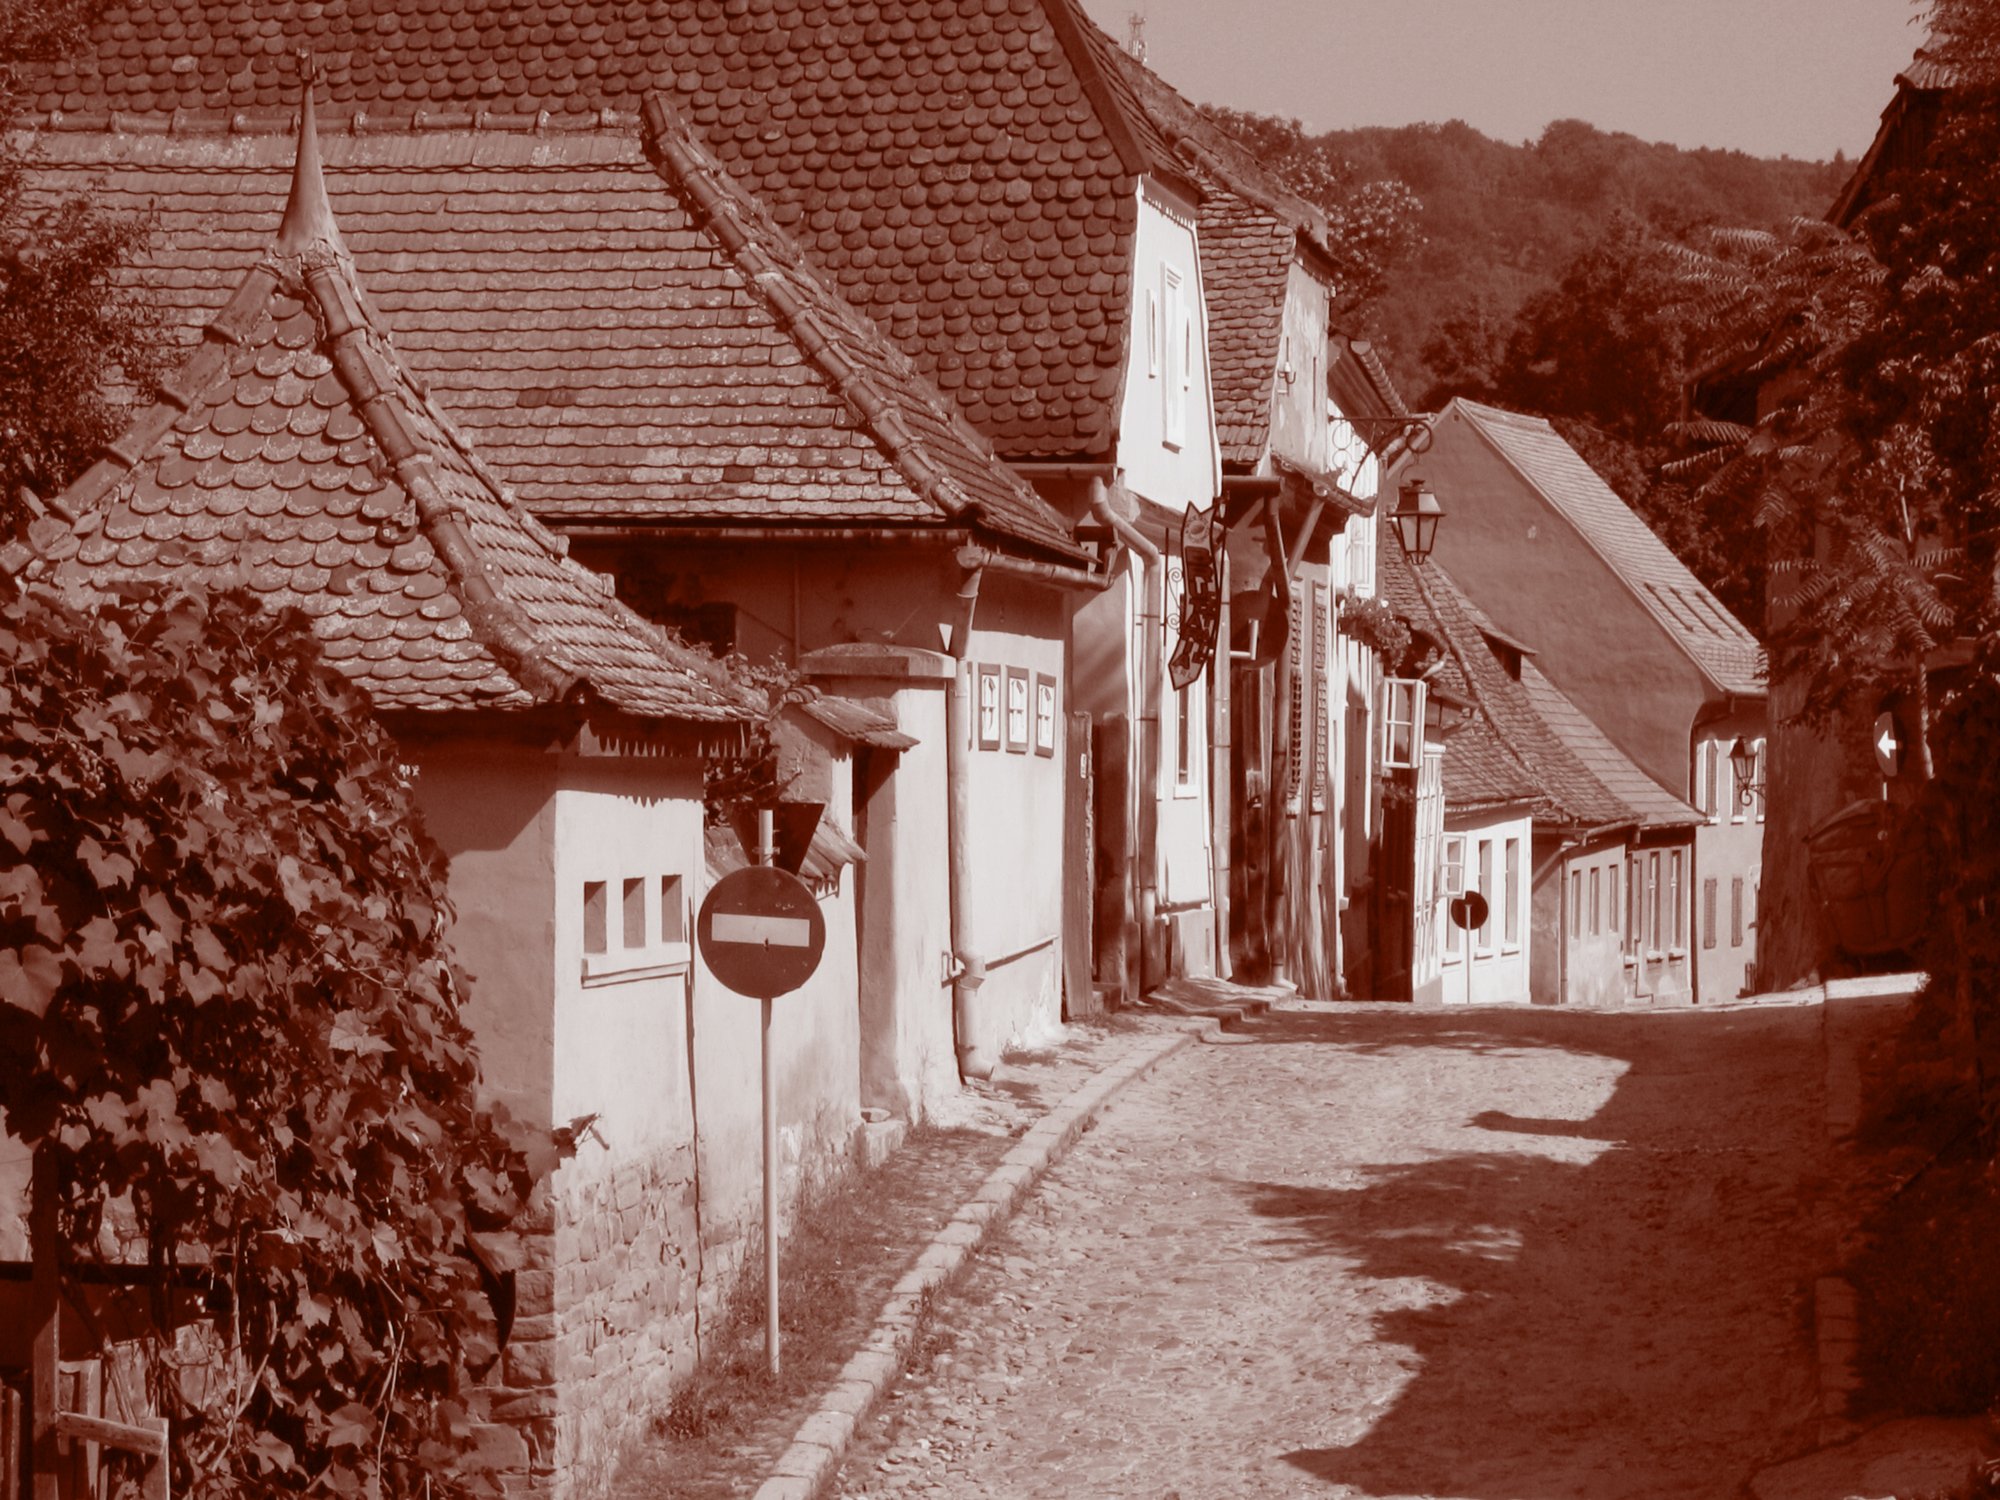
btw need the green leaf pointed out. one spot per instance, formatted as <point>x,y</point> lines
<point>29,977</point>
<point>351,1034</point>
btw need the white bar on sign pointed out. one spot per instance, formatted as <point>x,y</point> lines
<point>769,932</point>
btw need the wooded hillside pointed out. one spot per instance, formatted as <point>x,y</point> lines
<point>1501,222</point>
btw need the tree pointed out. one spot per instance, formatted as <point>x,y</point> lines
<point>229,1026</point>
<point>1371,221</point>
<point>71,334</point>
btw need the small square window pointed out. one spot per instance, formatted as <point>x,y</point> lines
<point>989,708</point>
<point>635,913</point>
<point>596,917</point>
<point>1045,715</point>
<point>1019,724</point>
<point>673,910</point>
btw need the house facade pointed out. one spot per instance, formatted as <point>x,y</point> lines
<point>1546,550</point>
<point>1580,859</point>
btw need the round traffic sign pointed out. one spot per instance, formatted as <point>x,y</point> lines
<point>1888,744</point>
<point>760,931</point>
<point>1468,911</point>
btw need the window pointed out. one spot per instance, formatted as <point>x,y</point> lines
<point>634,906</point>
<point>989,708</point>
<point>1757,775</point>
<point>1018,713</point>
<point>1708,902</point>
<point>1176,336</point>
<point>1596,901</point>
<point>1705,787</point>
<point>1635,911</point>
<point>1045,715</point>
<point>1511,922</point>
<point>1453,872</point>
<point>1485,939</point>
<point>596,917</point>
<point>673,910</point>
<point>1183,739</point>
<point>1576,903</point>
<point>1674,899</point>
<point>1361,556</point>
<point>1402,723</point>
<point>1736,912</point>
<point>1611,899</point>
<point>1655,888</point>
<point>1735,793</point>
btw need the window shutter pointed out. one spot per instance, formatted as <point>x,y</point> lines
<point>1296,730</point>
<point>1322,747</point>
<point>1708,902</point>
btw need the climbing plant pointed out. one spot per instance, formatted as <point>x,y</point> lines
<point>228,1023</point>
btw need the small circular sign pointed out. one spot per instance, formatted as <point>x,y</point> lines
<point>761,932</point>
<point>1888,745</point>
<point>1468,911</point>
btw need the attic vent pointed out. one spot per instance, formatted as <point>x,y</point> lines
<point>547,395</point>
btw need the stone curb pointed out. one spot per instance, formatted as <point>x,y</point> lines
<point>821,1442</point>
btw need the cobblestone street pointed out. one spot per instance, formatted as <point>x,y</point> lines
<point>1503,1255</point>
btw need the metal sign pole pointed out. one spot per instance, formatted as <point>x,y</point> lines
<point>765,856</point>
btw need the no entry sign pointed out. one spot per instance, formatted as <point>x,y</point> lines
<point>761,932</point>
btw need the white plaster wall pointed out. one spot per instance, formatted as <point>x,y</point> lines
<point>1015,910</point>
<point>1298,403</point>
<point>492,811</point>
<point>1499,977</point>
<point>1189,474</point>
<point>621,1042</point>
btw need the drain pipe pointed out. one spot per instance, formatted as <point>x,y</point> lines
<point>968,972</point>
<point>1152,583</point>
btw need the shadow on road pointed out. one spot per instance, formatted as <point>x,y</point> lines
<point>1599,1307</point>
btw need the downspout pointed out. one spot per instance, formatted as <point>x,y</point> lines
<point>1146,806</point>
<point>975,1060</point>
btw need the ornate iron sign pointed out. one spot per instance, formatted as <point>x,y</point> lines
<point>1194,586</point>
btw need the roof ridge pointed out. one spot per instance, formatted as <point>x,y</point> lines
<point>670,145</point>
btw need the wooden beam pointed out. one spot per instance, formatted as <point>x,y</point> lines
<point>151,1442</point>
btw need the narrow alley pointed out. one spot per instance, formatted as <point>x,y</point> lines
<point>1384,1253</point>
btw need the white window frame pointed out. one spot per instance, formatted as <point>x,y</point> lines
<point>1361,556</point>
<point>1510,885</point>
<point>1760,775</point>
<point>1402,693</point>
<point>1482,937</point>
<point>1187,758</point>
<point>1174,385</point>
<point>1451,882</point>
<point>1706,783</point>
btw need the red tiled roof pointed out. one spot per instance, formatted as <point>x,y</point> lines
<point>965,170</point>
<point>1246,259</point>
<point>295,456</point>
<point>1509,751</point>
<point>578,311</point>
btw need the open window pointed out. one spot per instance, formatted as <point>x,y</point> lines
<point>1402,723</point>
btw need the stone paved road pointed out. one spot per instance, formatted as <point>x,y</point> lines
<point>1503,1255</point>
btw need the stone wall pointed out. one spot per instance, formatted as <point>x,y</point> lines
<point>626,1271</point>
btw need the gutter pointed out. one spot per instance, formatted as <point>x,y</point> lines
<point>976,1057</point>
<point>1145,808</point>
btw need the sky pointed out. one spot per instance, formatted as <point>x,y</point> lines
<point>1800,78</point>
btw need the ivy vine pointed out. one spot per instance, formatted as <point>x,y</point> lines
<point>227,1013</point>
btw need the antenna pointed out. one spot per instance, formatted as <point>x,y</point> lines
<point>1135,34</point>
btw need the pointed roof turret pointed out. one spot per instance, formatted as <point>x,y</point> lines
<point>308,223</point>
<point>293,454</point>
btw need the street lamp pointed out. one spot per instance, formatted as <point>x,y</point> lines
<point>1416,515</point>
<point>1743,761</point>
